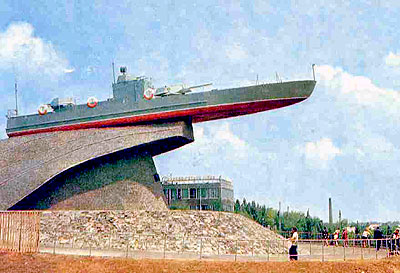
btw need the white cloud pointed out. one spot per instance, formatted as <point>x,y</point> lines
<point>69,70</point>
<point>321,151</point>
<point>236,53</point>
<point>355,89</point>
<point>22,51</point>
<point>359,113</point>
<point>215,147</point>
<point>222,136</point>
<point>392,59</point>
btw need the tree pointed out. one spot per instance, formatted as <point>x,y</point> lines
<point>237,206</point>
<point>270,217</point>
<point>217,205</point>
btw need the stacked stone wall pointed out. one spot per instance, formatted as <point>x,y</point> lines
<point>178,231</point>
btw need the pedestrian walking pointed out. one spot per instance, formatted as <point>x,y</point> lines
<point>293,256</point>
<point>364,237</point>
<point>378,237</point>
<point>345,238</point>
<point>395,241</point>
<point>336,236</point>
<point>325,236</point>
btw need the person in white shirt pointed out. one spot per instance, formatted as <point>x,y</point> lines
<point>364,237</point>
<point>293,248</point>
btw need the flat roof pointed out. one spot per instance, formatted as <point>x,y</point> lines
<point>187,180</point>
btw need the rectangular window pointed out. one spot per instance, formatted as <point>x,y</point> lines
<point>179,194</point>
<point>203,193</point>
<point>166,193</point>
<point>185,193</point>
<point>173,194</point>
<point>192,193</point>
<point>213,193</point>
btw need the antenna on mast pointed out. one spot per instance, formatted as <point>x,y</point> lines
<point>16,97</point>
<point>113,70</point>
<point>313,71</point>
<point>278,79</point>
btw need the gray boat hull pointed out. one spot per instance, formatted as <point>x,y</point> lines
<point>199,107</point>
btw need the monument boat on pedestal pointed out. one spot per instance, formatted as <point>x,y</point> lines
<point>135,100</point>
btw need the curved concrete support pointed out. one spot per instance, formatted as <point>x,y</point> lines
<point>28,163</point>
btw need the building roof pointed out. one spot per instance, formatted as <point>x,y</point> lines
<point>182,180</point>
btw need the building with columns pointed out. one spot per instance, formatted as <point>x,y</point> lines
<point>198,193</point>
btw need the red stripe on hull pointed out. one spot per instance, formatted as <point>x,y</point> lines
<point>198,115</point>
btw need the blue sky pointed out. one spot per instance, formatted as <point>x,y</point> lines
<point>341,143</point>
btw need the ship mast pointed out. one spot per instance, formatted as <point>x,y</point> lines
<point>113,70</point>
<point>313,71</point>
<point>16,96</point>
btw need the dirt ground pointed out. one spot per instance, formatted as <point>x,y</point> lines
<point>12,262</point>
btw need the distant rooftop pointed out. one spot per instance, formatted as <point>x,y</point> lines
<point>195,180</point>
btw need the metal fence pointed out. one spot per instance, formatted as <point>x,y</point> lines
<point>19,231</point>
<point>351,249</point>
<point>200,247</point>
<point>318,235</point>
<point>160,246</point>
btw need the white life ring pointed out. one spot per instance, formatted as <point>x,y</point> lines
<point>148,94</point>
<point>42,110</point>
<point>92,102</point>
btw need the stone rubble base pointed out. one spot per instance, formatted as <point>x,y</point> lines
<point>207,232</point>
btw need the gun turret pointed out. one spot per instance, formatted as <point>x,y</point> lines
<point>177,89</point>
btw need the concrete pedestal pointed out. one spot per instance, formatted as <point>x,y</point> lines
<point>87,169</point>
